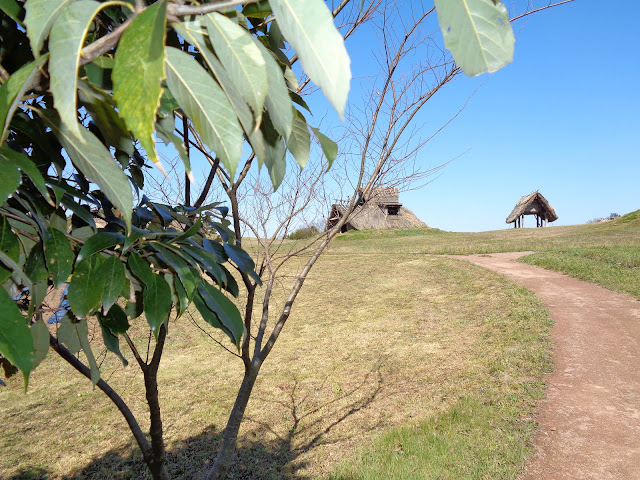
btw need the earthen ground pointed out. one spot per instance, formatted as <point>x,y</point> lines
<point>590,419</point>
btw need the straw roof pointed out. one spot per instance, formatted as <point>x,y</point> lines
<point>531,204</point>
<point>372,216</point>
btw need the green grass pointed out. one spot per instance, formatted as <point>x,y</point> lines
<point>616,268</point>
<point>623,232</point>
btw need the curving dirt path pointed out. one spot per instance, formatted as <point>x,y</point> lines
<point>590,420</point>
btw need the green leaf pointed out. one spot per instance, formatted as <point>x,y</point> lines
<point>94,160</point>
<point>241,57</point>
<point>138,71</point>
<point>193,33</point>
<point>13,10</point>
<point>9,180</point>
<point>9,243</point>
<point>242,259</point>
<point>206,105</point>
<point>278,101</point>
<point>35,266</point>
<point>40,16</point>
<point>140,268</point>
<point>178,293</point>
<point>276,162</point>
<point>115,320</point>
<point>65,44</point>
<point>16,343</point>
<point>157,303</point>
<point>75,336</point>
<point>225,310</point>
<point>187,274</point>
<point>68,335</point>
<point>100,106</point>
<point>113,272</point>
<point>59,256</point>
<point>257,10</point>
<point>99,242</point>
<point>29,168</point>
<point>299,142</point>
<point>86,287</point>
<point>40,336</point>
<point>329,147</point>
<point>12,91</point>
<point>477,33</point>
<point>113,344</point>
<point>308,27</point>
<point>164,130</point>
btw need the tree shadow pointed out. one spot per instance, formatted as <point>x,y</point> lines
<point>264,454</point>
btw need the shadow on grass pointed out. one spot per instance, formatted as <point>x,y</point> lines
<point>265,454</point>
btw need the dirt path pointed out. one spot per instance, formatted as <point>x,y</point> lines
<point>590,421</point>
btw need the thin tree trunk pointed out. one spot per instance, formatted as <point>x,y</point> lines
<point>158,470</point>
<point>227,449</point>
<point>156,463</point>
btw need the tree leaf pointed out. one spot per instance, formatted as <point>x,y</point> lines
<point>40,16</point>
<point>193,33</point>
<point>9,179</point>
<point>259,9</point>
<point>477,33</point>
<point>94,160</point>
<point>188,276</point>
<point>112,344</point>
<point>140,268</point>
<point>68,336</point>
<point>299,142</point>
<point>100,106</point>
<point>65,43</point>
<point>12,91</point>
<point>75,336</point>
<point>59,256</point>
<point>9,243</point>
<point>138,71</point>
<point>278,101</point>
<point>225,310</point>
<point>35,266</point>
<point>115,320</point>
<point>241,57</point>
<point>243,260</point>
<point>157,303</point>
<point>308,27</point>
<point>206,105</point>
<point>86,287</point>
<point>276,162</point>
<point>16,343</point>
<point>329,147</point>
<point>13,10</point>
<point>24,163</point>
<point>40,336</point>
<point>99,242</point>
<point>112,271</point>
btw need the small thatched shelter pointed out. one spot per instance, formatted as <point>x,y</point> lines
<point>532,204</point>
<point>381,208</point>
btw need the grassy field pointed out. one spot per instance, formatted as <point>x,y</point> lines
<point>394,365</point>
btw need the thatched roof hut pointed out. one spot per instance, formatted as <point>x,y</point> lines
<point>381,208</point>
<point>532,204</point>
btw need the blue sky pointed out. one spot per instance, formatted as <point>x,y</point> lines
<point>563,119</point>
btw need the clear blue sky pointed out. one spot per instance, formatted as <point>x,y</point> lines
<point>563,118</point>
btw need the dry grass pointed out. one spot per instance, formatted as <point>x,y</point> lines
<point>375,342</point>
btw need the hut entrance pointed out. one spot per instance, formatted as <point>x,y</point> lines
<point>533,204</point>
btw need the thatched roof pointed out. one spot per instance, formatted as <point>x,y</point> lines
<point>373,216</point>
<point>533,204</point>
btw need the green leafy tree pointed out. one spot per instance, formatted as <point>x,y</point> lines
<point>87,89</point>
